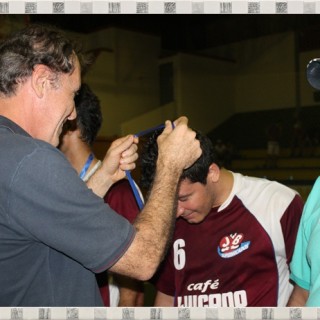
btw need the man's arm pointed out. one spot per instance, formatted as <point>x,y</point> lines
<point>120,198</point>
<point>177,149</point>
<point>163,300</point>
<point>298,297</point>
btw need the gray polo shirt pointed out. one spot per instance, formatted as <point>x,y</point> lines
<point>55,233</point>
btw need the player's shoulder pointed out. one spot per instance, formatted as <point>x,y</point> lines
<point>262,187</point>
<point>122,185</point>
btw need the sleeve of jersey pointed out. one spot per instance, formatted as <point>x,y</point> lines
<point>51,205</point>
<point>164,279</point>
<point>290,223</point>
<point>121,199</point>
<point>300,266</point>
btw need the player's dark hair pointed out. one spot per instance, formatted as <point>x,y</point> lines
<point>196,173</point>
<point>89,115</point>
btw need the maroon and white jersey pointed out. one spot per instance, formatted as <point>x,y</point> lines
<point>239,255</point>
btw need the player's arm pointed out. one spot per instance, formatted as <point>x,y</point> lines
<point>163,300</point>
<point>298,297</point>
<point>121,156</point>
<point>131,291</point>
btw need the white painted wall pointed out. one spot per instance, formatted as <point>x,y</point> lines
<point>256,74</point>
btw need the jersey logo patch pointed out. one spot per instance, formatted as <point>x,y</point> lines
<point>232,245</point>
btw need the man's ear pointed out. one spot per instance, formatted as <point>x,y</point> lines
<point>40,79</point>
<point>214,172</point>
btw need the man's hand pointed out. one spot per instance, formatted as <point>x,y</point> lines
<point>121,156</point>
<point>178,147</point>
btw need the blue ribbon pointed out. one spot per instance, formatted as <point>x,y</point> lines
<point>128,174</point>
<point>86,166</point>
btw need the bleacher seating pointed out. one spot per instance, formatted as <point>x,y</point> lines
<point>297,173</point>
<point>247,130</point>
<point>247,133</point>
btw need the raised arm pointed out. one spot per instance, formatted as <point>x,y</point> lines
<point>177,149</point>
<point>121,156</point>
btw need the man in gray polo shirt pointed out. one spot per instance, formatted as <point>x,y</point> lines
<point>55,232</point>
